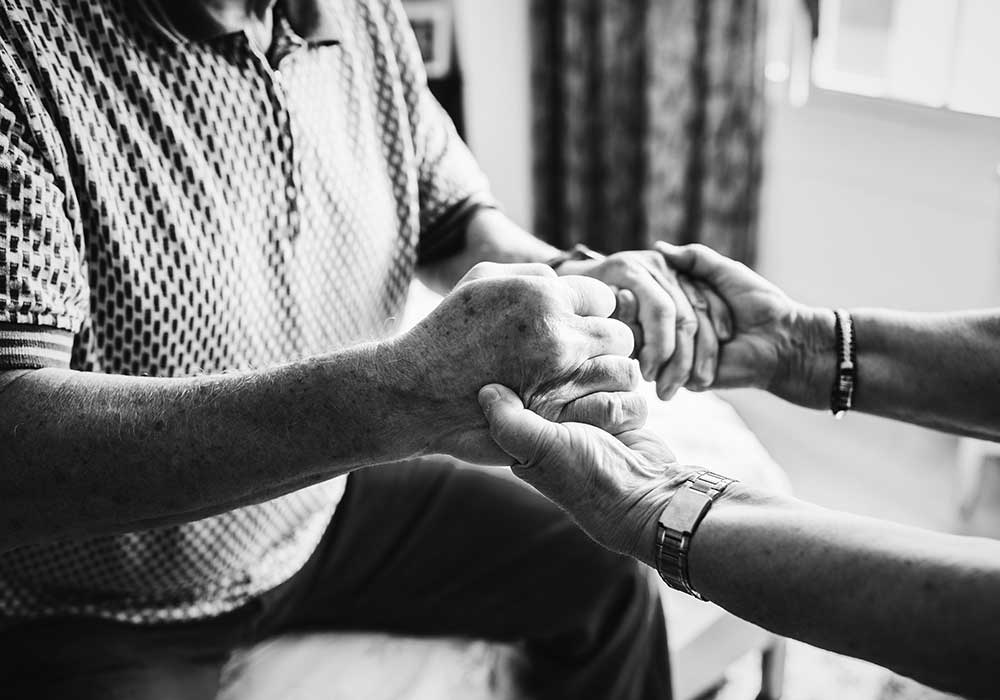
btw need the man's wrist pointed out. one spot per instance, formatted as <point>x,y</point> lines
<point>396,398</point>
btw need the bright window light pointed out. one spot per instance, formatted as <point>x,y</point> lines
<point>941,53</point>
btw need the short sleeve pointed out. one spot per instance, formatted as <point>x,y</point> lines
<point>43,289</point>
<point>451,184</point>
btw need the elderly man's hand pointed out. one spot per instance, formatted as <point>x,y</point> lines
<point>614,487</point>
<point>678,324</point>
<point>548,337</point>
<point>777,344</point>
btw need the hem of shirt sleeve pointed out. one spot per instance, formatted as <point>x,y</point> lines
<point>25,346</point>
<point>447,236</point>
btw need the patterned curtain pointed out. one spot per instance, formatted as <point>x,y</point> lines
<point>648,121</point>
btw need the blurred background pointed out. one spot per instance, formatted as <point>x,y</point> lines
<point>848,149</point>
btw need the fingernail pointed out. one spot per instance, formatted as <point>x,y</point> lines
<point>488,396</point>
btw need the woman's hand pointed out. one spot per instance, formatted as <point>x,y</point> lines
<point>678,324</point>
<point>777,344</point>
<point>614,487</point>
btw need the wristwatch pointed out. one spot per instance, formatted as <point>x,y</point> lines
<point>678,523</point>
<point>577,252</point>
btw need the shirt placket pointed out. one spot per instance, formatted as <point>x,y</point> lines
<point>277,93</point>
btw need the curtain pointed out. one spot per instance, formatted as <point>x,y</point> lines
<point>647,122</point>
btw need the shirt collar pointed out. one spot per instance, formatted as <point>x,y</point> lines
<point>188,20</point>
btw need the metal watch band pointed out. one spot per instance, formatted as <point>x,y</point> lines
<point>678,523</point>
<point>842,395</point>
<point>577,252</point>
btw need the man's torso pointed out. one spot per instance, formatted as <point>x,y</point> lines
<point>231,213</point>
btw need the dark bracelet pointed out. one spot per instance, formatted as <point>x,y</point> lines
<point>845,382</point>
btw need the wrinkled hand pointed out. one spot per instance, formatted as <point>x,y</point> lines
<point>548,337</point>
<point>773,337</point>
<point>614,487</point>
<point>677,324</point>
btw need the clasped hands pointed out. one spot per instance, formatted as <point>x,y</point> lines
<point>563,344</point>
<point>547,358</point>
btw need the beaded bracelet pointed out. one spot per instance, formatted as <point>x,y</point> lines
<point>845,382</point>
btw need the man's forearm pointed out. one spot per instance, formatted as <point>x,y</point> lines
<point>490,237</point>
<point>938,370</point>
<point>921,603</point>
<point>86,454</point>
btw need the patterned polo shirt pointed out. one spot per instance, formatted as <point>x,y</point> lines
<point>174,205</point>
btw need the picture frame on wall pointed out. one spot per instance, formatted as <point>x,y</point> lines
<point>432,24</point>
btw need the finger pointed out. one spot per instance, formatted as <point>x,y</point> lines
<point>604,336</point>
<point>627,311</point>
<point>519,432</point>
<point>718,311</point>
<point>606,373</point>
<point>676,370</point>
<point>706,345</point>
<point>656,316</point>
<point>588,296</point>
<point>626,306</point>
<point>614,412</point>
<point>696,260</point>
<point>484,270</point>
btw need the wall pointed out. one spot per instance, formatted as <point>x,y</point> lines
<point>868,202</point>
<point>494,53</point>
<point>874,203</point>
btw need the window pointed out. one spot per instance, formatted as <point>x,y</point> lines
<point>942,53</point>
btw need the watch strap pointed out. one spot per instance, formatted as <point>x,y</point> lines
<point>678,523</point>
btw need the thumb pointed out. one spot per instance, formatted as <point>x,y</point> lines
<point>514,428</point>
<point>697,261</point>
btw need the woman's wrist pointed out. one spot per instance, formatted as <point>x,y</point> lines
<point>806,357</point>
<point>656,502</point>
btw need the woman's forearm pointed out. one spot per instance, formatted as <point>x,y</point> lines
<point>937,370</point>
<point>85,454</point>
<point>921,603</point>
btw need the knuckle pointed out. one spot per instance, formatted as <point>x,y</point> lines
<point>612,412</point>
<point>622,411</point>
<point>657,261</point>
<point>540,269</point>
<point>687,325</point>
<point>482,269</point>
<point>625,266</point>
<point>619,330</point>
<point>619,373</point>
<point>633,374</point>
<point>618,265</point>
<point>545,404</point>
